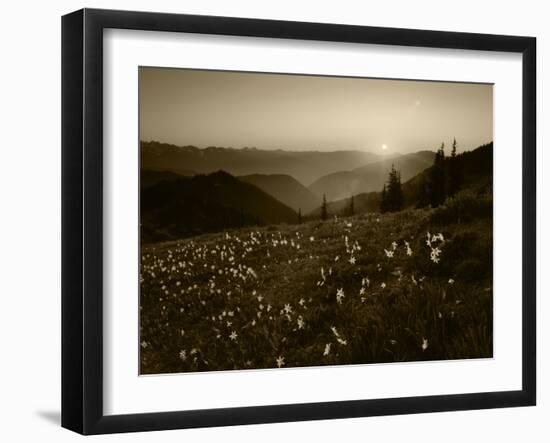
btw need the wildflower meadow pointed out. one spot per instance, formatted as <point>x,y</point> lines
<point>368,288</point>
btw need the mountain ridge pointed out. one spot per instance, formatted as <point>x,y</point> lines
<point>304,166</point>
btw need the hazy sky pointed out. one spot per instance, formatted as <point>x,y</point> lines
<point>296,112</point>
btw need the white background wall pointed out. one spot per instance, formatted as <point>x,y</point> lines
<point>30,218</point>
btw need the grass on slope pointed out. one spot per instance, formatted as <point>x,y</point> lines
<point>415,285</point>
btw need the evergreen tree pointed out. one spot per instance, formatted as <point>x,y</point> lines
<point>437,178</point>
<point>384,200</point>
<point>351,206</point>
<point>324,212</point>
<point>394,198</point>
<point>399,193</point>
<point>299,216</point>
<point>423,194</point>
<point>455,174</point>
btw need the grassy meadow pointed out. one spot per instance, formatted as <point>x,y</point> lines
<point>370,288</point>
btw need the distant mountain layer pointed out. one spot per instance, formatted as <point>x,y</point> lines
<point>149,178</point>
<point>370,177</point>
<point>305,166</point>
<point>190,206</point>
<point>285,189</point>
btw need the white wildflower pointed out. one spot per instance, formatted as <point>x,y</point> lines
<point>340,295</point>
<point>434,255</point>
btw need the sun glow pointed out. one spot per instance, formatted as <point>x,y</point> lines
<point>384,147</point>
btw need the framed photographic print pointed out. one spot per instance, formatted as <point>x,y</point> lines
<point>268,221</point>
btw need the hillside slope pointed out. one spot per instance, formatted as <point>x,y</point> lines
<point>477,171</point>
<point>286,189</point>
<point>364,202</point>
<point>206,203</point>
<point>319,294</point>
<point>476,166</point>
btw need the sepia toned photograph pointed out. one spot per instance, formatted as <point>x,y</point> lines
<point>300,220</point>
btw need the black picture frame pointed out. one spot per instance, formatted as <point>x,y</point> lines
<point>82,218</point>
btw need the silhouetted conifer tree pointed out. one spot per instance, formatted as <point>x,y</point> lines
<point>423,194</point>
<point>324,212</point>
<point>299,216</point>
<point>384,200</point>
<point>351,206</point>
<point>394,196</point>
<point>437,178</point>
<point>455,173</point>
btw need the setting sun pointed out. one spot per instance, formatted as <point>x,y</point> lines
<point>384,147</point>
